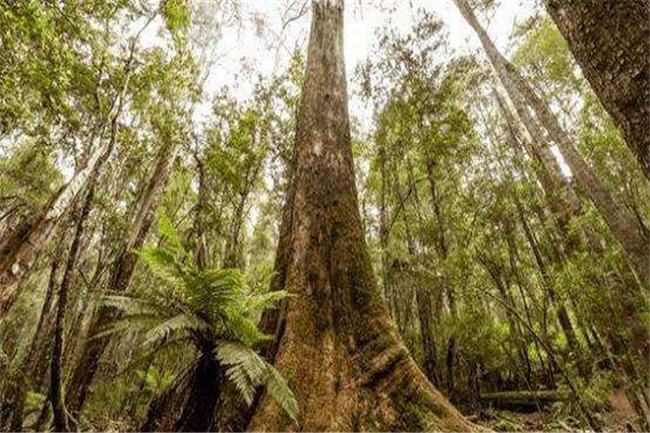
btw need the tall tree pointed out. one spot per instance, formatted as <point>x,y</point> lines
<point>336,344</point>
<point>20,246</point>
<point>611,42</point>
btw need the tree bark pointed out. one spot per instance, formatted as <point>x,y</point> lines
<point>337,346</point>
<point>546,168</point>
<point>624,228</point>
<point>233,254</point>
<point>611,42</point>
<point>33,367</point>
<point>121,274</point>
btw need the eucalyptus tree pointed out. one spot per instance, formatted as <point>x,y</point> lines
<point>335,334</point>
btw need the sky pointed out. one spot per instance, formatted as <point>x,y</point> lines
<point>258,46</point>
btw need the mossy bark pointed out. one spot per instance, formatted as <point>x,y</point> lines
<point>335,342</point>
<point>61,420</point>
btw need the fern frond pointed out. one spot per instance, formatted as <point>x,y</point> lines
<point>181,323</point>
<point>144,358</point>
<point>129,305</point>
<point>244,329</point>
<point>257,303</point>
<point>163,265</point>
<point>133,323</point>
<point>247,370</point>
<point>279,390</point>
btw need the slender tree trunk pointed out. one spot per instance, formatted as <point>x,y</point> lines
<point>233,253</point>
<point>561,311</point>
<point>425,314</point>
<point>337,346</point>
<point>496,272</point>
<point>383,227</point>
<point>561,208</point>
<point>592,421</point>
<point>78,325</point>
<point>611,42</point>
<point>198,226</point>
<point>623,226</point>
<point>61,419</point>
<point>31,373</point>
<point>443,251</point>
<point>561,200</point>
<point>121,274</point>
<point>423,302</point>
<point>190,404</point>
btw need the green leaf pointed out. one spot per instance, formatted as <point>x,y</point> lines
<point>247,370</point>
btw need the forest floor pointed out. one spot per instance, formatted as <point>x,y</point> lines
<point>617,418</point>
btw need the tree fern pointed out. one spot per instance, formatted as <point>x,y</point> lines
<point>213,308</point>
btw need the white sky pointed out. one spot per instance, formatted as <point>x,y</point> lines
<point>250,49</point>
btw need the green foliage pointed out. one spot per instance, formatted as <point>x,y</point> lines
<point>547,49</point>
<point>247,370</point>
<point>176,14</point>
<point>27,175</point>
<point>213,309</point>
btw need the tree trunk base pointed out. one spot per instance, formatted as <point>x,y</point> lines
<point>344,387</point>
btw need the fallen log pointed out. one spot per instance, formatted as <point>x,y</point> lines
<point>521,401</point>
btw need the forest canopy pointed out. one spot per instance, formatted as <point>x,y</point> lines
<point>318,215</point>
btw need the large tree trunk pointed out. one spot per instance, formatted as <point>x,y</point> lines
<point>611,42</point>
<point>336,344</point>
<point>120,278</point>
<point>624,228</point>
